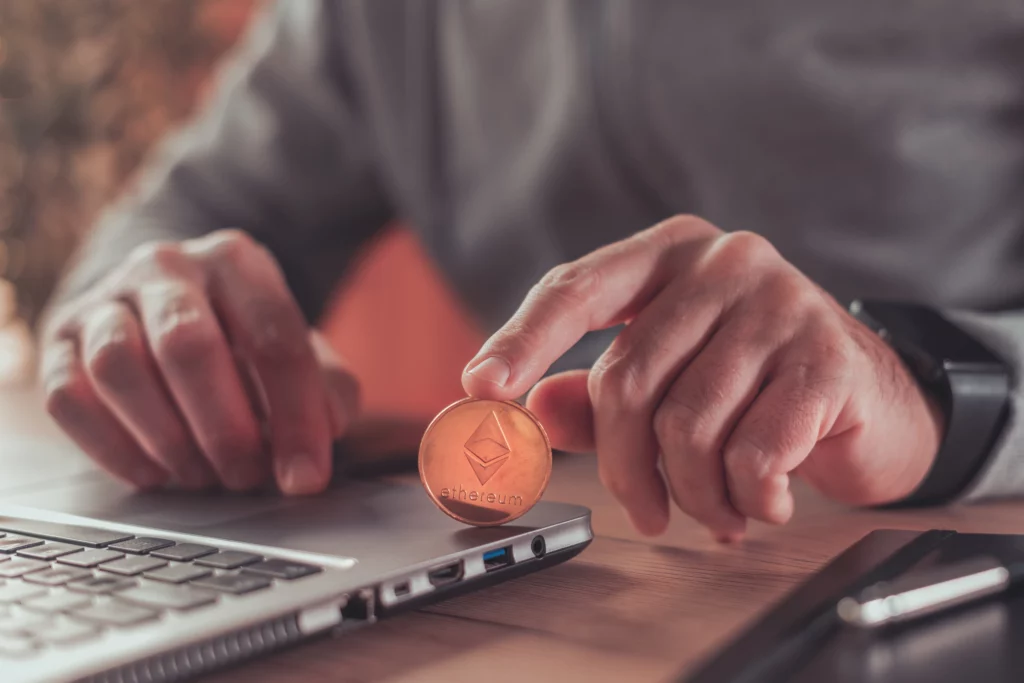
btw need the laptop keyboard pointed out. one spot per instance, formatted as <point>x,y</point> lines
<point>63,584</point>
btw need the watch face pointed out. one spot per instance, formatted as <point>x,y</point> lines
<point>921,332</point>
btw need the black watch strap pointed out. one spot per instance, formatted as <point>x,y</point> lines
<point>975,414</point>
<point>969,382</point>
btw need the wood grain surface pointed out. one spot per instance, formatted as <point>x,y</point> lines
<point>628,609</point>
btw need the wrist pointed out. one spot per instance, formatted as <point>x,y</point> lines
<point>930,419</point>
<point>964,389</point>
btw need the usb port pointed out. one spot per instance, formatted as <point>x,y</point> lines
<point>401,589</point>
<point>450,573</point>
<point>496,559</point>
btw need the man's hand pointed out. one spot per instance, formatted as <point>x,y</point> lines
<point>192,362</point>
<point>734,370</point>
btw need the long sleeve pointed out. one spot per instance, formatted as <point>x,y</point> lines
<point>1002,473</point>
<point>281,152</point>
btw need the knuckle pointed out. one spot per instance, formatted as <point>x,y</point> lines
<point>679,228</point>
<point>676,425</point>
<point>742,251</point>
<point>616,385</point>
<point>575,283</point>
<point>789,290</point>
<point>113,360</point>
<point>171,305</point>
<point>826,362</point>
<point>182,346</point>
<point>181,336</point>
<point>160,255</point>
<point>232,245</point>
<point>274,343</point>
<point>747,462</point>
<point>274,333</point>
<point>761,443</point>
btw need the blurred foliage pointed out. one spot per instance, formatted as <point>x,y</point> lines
<point>86,87</point>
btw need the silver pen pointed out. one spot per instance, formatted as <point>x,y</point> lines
<point>927,592</point>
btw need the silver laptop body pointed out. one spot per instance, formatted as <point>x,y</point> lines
<point>270,571</point>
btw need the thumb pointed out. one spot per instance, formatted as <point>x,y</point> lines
<point>562,405</point>
<point>341,386</point>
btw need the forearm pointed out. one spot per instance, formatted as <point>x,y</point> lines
<point>281,152</point>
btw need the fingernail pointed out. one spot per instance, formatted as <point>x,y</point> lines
<point>728,536</point>
<point>301,475</point>
<point>779,505</point>
<point>493,369</point>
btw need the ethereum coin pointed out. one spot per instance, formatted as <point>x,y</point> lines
<point>485,462</point>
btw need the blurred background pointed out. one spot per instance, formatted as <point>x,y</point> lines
<point>86,88</point>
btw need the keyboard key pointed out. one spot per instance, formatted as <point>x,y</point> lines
<point>178,573</point>
<point>141,545</point>
<point>59,601</point>
<point>115,613</point>
<point>228,559</point>
<point>91,558</point>
<point>98,585</point>
<point>16,646</point>
<point>282,569</point>
<point>236,584</point>
<point>19,566</point>
<point>65,631</point>
<point>12,544</point>
<point>183,552</point>
<point>49,551</point>
<point>15,591</point>
<point>81,535</point>
<point>58,576</point>
<point>132,566</point>
<point>165,596</point>
<point>21,622</point>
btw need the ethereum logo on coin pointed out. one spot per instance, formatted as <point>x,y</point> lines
<point>487,449</point>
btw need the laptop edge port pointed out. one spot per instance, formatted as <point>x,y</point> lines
<point>496,559</point>
<point>450,573</point>
<point>359,609</point>
<point>402,589</point>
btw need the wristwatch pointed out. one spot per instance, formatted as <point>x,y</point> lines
<point>968,380</point>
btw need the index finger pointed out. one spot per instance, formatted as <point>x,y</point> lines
<point>600,290</point>
<point>264,322</point>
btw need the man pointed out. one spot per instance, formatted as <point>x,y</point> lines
<point>864,149</point>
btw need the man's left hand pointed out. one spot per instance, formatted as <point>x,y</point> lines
<point>734,370</point>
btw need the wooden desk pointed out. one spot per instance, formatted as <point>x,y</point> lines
<point>627,609</point>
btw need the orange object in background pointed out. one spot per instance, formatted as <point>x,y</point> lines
<point>401,331</point>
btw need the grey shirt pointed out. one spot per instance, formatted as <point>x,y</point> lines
<point>879,144</point>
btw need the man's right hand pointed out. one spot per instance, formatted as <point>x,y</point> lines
<point>191,363</point>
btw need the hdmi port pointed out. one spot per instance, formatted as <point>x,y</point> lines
<point>450,573</point>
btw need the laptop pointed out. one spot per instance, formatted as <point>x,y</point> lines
<point>102,584</point>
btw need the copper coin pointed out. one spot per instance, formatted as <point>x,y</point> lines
<point>485,462</point>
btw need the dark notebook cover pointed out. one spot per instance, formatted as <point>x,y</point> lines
<point>802,640</point>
